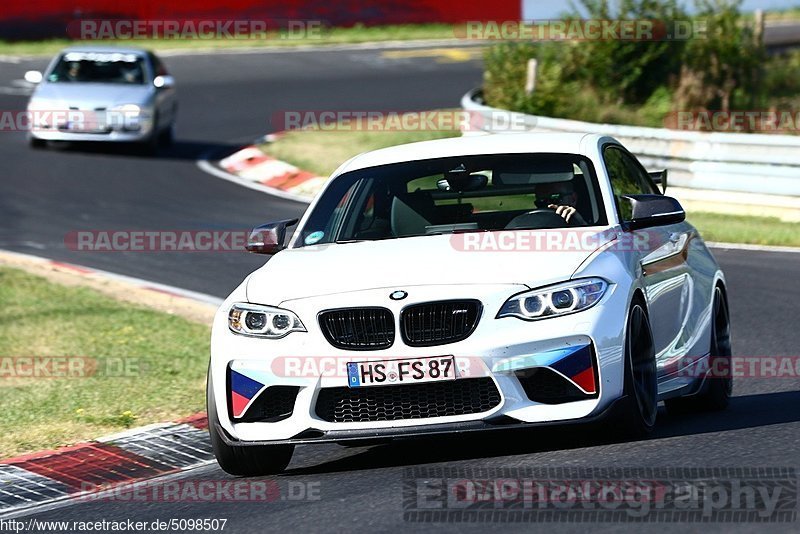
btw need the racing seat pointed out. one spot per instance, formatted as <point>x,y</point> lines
<point>583,204</point>
<point>410,216</point>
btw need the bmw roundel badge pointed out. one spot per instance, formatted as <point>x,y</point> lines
<point>398,295</point>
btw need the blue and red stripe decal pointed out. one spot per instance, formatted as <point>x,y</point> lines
<point>578,366</point>
<point>576,363</point>
<point>242,390</point>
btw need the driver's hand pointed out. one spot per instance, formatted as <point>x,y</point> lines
<point>565,211</point>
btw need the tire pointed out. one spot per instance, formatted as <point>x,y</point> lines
<point>244,461</point>
<point>36,143</point>
<point>639,411</point>
<point>167,136</point>
<point>150,145</point>
<point>716,392</point>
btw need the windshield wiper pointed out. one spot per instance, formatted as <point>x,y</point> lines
<point>348,241</point>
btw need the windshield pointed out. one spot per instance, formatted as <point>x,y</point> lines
<point>99,67</point>
<point>457,194</point>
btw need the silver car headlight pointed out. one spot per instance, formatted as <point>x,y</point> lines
<point>127,116</point>
<point>263,321</point>
<point>38,104</point>
<point>43,114</point>
<point>556,300</point>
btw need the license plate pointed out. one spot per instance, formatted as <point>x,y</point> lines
<point>392,372</point>
<point>83,127</point>
<point>89,123</point>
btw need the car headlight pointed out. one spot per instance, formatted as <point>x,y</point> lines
<point>553,301</point>
<point>38,104</point>
<point>263,321</point>
<point>44,113</point>
<point>127,117</point>
<point>131,109</point>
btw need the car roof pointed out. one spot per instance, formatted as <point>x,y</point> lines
<point>502,143</point>
<point>105,49</point>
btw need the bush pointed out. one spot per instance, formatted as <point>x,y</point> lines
<point>506,72</point>
<point>626,70</point>
<point>577,77</point>
<point>617,81</point>
<point>781,81</point>
<point>721,72</point>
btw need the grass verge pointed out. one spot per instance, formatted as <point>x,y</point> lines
<point>745,229</point>
<point>121,365</point>
<point>326,36</point>
<point>322,151</point>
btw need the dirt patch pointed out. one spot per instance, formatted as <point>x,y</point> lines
<point>69,275</point>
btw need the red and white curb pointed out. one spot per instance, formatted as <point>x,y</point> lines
<point>47,477</point>
<point>145,453</point>
<point>253,165</point>
<point>254,169</point>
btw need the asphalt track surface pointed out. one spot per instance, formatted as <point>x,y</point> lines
<point>227,101</point>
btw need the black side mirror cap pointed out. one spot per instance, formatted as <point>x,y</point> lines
<point>269,238</point>
<point>653,210</point>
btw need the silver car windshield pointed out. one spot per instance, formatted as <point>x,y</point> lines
<point>453,195</point>
<point>92,67</point>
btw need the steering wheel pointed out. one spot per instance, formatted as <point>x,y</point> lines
<point>536,219</point>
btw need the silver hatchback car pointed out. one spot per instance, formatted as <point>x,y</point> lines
<point>103,94</point>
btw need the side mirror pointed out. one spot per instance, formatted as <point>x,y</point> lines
<point>660,178</point>
<point>653,210</point>
<point>33,76</point>
<point>269,238</point>
<point>164,82</point>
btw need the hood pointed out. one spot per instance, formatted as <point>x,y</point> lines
<point>531,258</point>
<point>91,95</point>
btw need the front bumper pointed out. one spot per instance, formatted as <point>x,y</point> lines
<point>114,136</point>
<point>498,349</point>
<point>315,436</point>
<point>87,125</point>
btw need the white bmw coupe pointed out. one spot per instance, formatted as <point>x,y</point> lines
<point>469,284</point>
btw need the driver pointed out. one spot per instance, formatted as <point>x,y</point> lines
<point>74,71</point>
<point>132,74</point>
<point>559,196</point>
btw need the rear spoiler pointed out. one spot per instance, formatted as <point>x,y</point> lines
<point>660,178</point>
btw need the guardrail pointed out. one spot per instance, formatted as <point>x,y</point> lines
<point>748,163</point>
<point>780,36</point>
